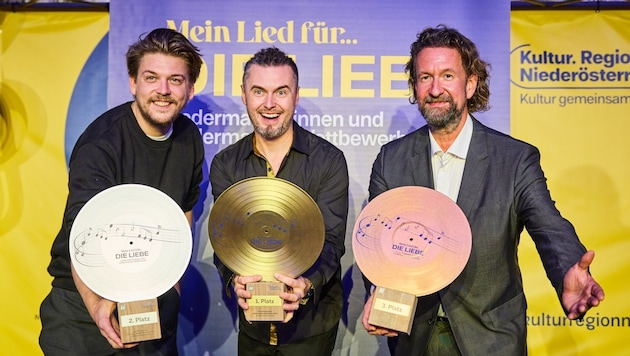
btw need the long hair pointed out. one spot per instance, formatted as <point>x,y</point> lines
<point>443,36</point>
<point>164,41</point>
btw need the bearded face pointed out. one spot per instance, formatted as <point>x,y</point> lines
<point>443,116</point>
<point>270,94</point>
<point>442,87</point>
<point>161,90</point>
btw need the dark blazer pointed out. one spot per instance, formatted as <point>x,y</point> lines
<point>503,190</point>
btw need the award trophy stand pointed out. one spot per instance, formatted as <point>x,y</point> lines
<point>139,320</point>
<point>265,303</point>
<point>393,309</point>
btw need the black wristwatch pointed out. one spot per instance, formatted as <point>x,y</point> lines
<point>309,294</point>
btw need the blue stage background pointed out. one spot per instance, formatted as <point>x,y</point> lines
<point>351,58</point>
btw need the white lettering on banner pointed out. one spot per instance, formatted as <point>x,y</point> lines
<point>341,138</point>
<point>207,121</point>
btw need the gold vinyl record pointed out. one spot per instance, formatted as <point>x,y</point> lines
<point>412,239</point>
<point>265,225</point>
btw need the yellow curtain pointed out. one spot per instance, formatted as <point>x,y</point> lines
<point>570,97</point>
<point>41,58</point>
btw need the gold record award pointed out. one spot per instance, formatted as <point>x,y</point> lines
<point>262,226</point>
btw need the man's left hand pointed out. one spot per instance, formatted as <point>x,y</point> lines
<point>296,291</point>
<point>580,291</point>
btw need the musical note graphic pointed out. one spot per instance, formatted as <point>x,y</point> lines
<point>414,238</point>
<point>87,247</point>
<point>130,242</point>
<point>415,233</point>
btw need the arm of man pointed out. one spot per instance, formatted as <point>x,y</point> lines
<point>102,312</point>
<point>189,217</point>
<point>221,178</point>
<point>565,259</point>
<point>328,186</point>
<point>332,199</point>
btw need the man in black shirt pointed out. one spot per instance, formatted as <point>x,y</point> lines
<point>279,147</point>
<point>148,142</point>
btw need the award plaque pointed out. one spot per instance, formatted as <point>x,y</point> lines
<point>130,244</point>
<point>262,226</point>
<point>409,241</point>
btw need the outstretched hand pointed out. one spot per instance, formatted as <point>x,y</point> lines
<point>580,291</point>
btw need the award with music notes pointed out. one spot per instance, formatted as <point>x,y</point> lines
<point>130,244</point>
<point>264,225</point>
<point>409,241</point>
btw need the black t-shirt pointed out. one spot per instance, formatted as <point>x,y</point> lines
<point>114,150</point>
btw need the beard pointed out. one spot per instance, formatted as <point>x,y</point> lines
<point>146,115</point>
<point>269,133</point>
<point>439,118</point>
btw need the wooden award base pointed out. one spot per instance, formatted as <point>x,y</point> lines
<point>265,303</point>
<point>139,321</point>
<point>393,309</point>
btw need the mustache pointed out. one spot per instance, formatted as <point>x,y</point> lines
<point>436,99</point>
<point>163,98</point>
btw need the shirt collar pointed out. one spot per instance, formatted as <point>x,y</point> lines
<point>460,146</point>
<point>300,140</point>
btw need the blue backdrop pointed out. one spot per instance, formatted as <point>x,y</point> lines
<point>351,58</point>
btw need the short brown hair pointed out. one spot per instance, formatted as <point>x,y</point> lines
<point>165,41</point>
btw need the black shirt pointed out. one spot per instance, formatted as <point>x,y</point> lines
<point>114,150</point>
<point>320,168</point>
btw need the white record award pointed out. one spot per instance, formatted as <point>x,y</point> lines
<point>130,242</point>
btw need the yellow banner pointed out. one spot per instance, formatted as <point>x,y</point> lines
<point>42,56</point>
<point>570,96</point>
